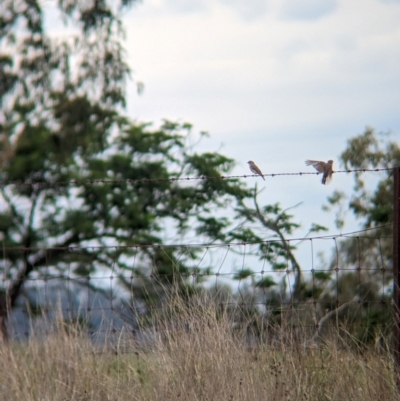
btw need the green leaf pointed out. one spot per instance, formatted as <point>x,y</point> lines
<point>243,274</point>
<point>266,282</point>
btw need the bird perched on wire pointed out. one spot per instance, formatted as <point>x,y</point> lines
<point>255,169</point>
<point>322,167</point>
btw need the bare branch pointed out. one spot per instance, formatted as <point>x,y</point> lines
<point>274,227</point>
<point>333,312</point>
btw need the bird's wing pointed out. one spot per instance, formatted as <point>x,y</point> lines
<point>256,170</point>
<point>318,165</point>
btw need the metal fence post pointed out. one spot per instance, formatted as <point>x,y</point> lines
<point>396,274</point>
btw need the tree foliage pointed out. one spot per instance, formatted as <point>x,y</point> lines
<point>77,173</point>
<point>355,284</point>
<point>368,257</point>
<point>371,204</point>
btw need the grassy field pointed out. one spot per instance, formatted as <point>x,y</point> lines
<point>199,358</point>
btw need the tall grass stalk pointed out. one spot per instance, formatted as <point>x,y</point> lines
<point>195,354</point>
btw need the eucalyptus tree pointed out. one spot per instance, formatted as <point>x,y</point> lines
<point>367,258</point>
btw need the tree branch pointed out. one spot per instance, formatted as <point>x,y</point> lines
<point>274,227</point>
<point>18,217</point>
<point>15,287</point>
<point>333,312</point>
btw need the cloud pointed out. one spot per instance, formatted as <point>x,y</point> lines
<point>307,10</point>
<point>218,70</point>
<point>186,6</point>
<point>248,10</point>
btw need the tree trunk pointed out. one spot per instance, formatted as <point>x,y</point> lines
<point>8,296</point>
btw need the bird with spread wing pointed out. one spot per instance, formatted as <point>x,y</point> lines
<point>325,168</point>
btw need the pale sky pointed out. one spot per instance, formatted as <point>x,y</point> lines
<point>273,81</point>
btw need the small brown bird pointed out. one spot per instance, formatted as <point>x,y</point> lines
<point>322,167</point>
<point>254,169</point>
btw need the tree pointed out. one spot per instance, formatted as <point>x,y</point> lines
<point>58,98</point>
<point>371,202</point>
<point>67,152</point>
<point>373,206</point>
<point>264,302</point>
<point>368,258</point>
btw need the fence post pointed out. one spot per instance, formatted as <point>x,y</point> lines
<point>396,274</point>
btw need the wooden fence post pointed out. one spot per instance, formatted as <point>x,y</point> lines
<point>396,274</point>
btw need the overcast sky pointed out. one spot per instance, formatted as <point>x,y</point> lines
<point>273,81</point>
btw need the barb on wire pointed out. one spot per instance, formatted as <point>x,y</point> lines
<point>153,180</point>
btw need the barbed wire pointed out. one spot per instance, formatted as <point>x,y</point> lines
<point>172,179</point>
<point>203,245</point>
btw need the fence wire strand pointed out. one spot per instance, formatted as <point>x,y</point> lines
<point>73,183</point>
<point>93,296</point>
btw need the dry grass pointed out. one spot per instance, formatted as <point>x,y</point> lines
<point>197,359</point>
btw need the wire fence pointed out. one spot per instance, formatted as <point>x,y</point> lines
<point>47,183</point>
<point>263,286</point>
<point>261,291</point>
